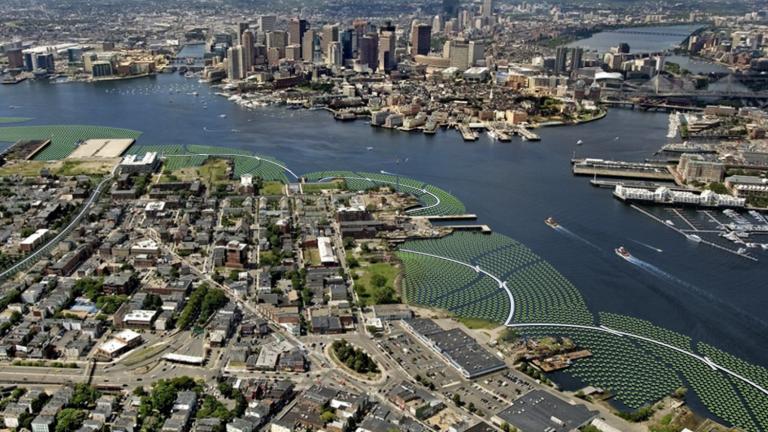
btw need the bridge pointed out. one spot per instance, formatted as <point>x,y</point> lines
<point>650,33</point>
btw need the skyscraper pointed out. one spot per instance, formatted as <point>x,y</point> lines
<point>277,39</point>
<point>387,45</point>
<point>234,63</point>
<point>368,51</point>
<point>487,8</point>
<point>247,41</point>
<point>333,56</point>
<point>267,23</point>
<point>308,45</point>
<point>330,34</point>
<point>576,55</point>
<point>451,8</point>
<point>421,38</point>
<point>560,57</point>
<point>296,29</point>
<point>15,58</point>
<point>348,39</point>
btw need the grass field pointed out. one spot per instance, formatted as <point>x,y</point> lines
<point>427,195</point>
<point>272,188</point>
<point>364,284</point>
<point>64,138</point>
<point>178,156</point>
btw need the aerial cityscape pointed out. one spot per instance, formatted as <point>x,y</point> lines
<point>378,216</point>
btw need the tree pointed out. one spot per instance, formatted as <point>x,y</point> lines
<point>327,416</point>
<point>69,419</point>
<point>84,396</point>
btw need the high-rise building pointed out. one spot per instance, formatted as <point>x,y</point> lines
<point>348,39</point>
<point>330,35</point>
<point>267,23</point>
<point>45,61</point>
<point>561,55</point>
<point>234,63</point>
<point>437,23</point>
<point>277,39</point>
<point>458,53</point>
<point>293,52</point>
<point>451,8</point>
<point>247,41</point>
<point>476,52</point>
<point>241,28</point>
<point>421,38</point>
<point>387,45</point>
<point>333,56</point>
<point>296,29</point>
<point>368,52</point>
<point>576,58</point>
<point>308,45</point>
<point>487,8</point>
<point>15,58</point>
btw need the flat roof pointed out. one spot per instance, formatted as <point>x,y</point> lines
<point>113,345</point>
<point>539,411</point>
<point>102,148</point>
<point>34,236</point>
<point>326,250</point>
<point>127,335</point>
<point>140,315</point>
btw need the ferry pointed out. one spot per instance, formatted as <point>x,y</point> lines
<point>551,222</point>
<point>620,251</point>
<point>694,238</point>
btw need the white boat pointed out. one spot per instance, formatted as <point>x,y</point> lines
<point>369,148</point>
<point>223,115</point>
<point>579,142</point>
<point>622,252</point>
<point>669,222</point>
<point>694,238</point>
<point>741,251</point>
<point>492,135</point>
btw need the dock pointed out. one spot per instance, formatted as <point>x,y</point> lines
<point>485,229</point>
<point>619,169</point>
<point>467,216</point>
<point>611,184</point>
<point>527,134</point>
<point>467,133</point>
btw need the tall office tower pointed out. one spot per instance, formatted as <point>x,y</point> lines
<point>437,23</point>
<point>293,52</point>
<point>277,39</point>
<point>333,56</point>
<point>368,52</point>
<point>465,20</point>
<point>308,45</point>
<point>296,29</point>
<point>458,54</point>
<point>362,27</point>
<point>15,58</point>
<point>267,23</point>
<point>487,8</point>
<point>387,45</point>
<point>234,63</point>
<point>560,57</point>
<point>330,34</point>
<point>476,52</point>
<point>451,8</point>
<point>45,61</point>
<point>576,55</point>
<point>421,38</point>
<point>241,28</point>
<point>247,42</point>
<point>348,39</point>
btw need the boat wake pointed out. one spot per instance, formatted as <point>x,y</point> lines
<point>648,246</point>
<point>568,233</point>
<point>661,274</point>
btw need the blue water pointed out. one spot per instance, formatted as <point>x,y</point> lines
<point>712,296</point>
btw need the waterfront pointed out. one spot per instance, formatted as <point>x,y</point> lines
<point>640,39</point>
<point>693,291</point>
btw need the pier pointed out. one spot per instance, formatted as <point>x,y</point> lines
<point>468,216</point>
<point>618,169</point>
<point>527,134</point>
<point>485,229</point>
<point>611,184</point>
